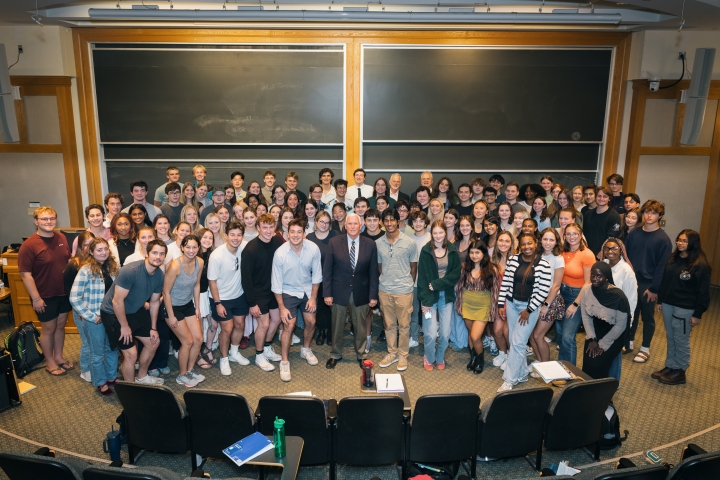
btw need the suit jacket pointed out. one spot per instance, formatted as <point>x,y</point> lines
<point>339,280</point>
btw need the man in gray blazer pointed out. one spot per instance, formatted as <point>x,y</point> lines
<point>350,279</point>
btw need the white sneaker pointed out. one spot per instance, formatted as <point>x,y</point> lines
<point>186,380</point>
<point>413,343</point>
<point>171,349</point>
<point>505,387</point>
<point>150,380</point>
<point>523,379</point>
<point>263,363</point>
<point>308,355</point>
<point>196,376</point>
<point>175,353</point>
<point>295,340</point>
<point>86,376</point>
<point>548,340</point>
<point>225,366</point>
<point>285,371</point>
<point>269,353</point>
<point>238,358</point>
<point>497,361</point>
<point>504,365</point>
<point>528,351</point>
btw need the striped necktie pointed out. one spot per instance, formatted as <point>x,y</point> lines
<point>352,255</point>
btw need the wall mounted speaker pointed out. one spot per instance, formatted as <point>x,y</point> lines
<point>697,95</point>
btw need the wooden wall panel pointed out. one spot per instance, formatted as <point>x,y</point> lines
<point>353,39</point>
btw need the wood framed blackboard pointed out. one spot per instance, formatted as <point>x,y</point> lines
<point>219,94</point>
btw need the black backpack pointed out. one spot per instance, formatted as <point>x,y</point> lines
<point>23,344</point>
<point>610,436</point>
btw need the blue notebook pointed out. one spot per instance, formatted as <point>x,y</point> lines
<point>248,448</point>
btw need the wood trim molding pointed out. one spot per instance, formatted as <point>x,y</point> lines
<point>53,81</point>
<point>617,108</point>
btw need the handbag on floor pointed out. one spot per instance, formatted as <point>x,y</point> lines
<point>23,344</point>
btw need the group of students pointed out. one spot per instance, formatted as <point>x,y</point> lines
<point>487,265</point>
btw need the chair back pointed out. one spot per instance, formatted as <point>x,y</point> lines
<point>652,472</point>
<point>304,417</point>
<point>705,466</point>
<point>369,430</point>
<point>217,420</point>
<point>444,428</point>
<point>101,472</point>
<point>155,419</point>
<point>511,424</point>
<point>575,417</point>
<point>24,466</point>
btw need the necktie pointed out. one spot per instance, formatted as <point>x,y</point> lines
<point>359,192</point>
<point>352,255</point>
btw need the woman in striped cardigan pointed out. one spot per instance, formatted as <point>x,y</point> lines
<point>525,286</point>
<point>86,295</point>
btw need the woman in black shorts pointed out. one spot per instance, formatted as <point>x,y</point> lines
<point>181,294</point>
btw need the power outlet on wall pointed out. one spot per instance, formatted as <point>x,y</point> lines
<point>20,49</point>
<point>662,223</point>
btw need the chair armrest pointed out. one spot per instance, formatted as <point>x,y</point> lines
<point>199,473</point>
<point>116,463</point>
<point>691,450</point>
<point>332,410</point>
<point>45,452</point>
<point>624,463</point>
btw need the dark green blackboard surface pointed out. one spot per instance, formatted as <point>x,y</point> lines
<point>207,96</point>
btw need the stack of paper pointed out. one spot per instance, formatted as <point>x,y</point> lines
<point>248,448</point>
<point>389,383</point>
<point>550,371</point>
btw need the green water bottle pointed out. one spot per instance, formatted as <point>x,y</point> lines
<point>279,437</point>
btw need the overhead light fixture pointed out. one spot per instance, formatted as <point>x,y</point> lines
<point>356,16</point>
<point>36,18</point>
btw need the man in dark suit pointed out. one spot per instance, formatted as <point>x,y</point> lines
<point>350,279</point>
<point>395,193</point>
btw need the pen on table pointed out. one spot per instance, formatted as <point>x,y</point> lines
<point>386,382</point>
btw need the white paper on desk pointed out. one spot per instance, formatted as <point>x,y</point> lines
<point>565,469</point>
<point>299,394</point>
<point>550,371</point>
<point>389,383</point>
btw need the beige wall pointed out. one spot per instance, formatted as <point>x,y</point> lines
<point>46,50</point>
<point>22,183</point>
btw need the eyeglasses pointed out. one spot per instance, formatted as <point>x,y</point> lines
<point>611,249</point>
<point>323,222</point>
<point>47,220</point>
<point>391,249</point>
<point>572,234</point>
<point>681,241</point>
<point>237,264</point>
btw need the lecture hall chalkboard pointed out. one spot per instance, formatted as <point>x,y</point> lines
<point>219,94</point>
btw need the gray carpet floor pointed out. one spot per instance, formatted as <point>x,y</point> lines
<point>65,412</point>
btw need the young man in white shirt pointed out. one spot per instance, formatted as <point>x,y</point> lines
<point>328,191</point>
<point>296,277</point>
<point>113,205</point>
<point>228,305</point>
<point>359,189</point>
<point>269,181</point>
<point>139,191</point>
<point>173,175</point>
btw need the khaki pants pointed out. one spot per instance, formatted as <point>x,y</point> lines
<point>358,316</point>
<point>397,308</point>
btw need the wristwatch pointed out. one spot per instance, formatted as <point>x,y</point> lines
<point>576,304</point>
<point>546,304</point>
<point>218,302</point>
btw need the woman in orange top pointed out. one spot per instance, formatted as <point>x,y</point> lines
<point>578,261</point>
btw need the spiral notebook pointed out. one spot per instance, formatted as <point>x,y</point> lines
<point>248,448</point>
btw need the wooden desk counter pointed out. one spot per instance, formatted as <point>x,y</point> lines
<point>21,303</point>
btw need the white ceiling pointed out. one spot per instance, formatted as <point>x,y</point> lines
<point>637,14</point>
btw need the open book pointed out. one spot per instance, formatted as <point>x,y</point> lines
<point>389,383</point>
<point>550,371</point>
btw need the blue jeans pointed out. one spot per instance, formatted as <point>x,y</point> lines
<point>616,367</point>
<point>84,346</point>
<point>458,331</point>
<point>103,360</point>
<point>517,366</point>
<point>569,329</point>
<point>438,326</point>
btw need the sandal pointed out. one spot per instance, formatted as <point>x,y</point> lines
<point>206,355</point>
<point>67,366</point>
<point>202,363</point>
<point>642,357</point>
<point>58,372</point>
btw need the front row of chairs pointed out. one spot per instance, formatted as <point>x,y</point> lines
<point>371,430</point>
